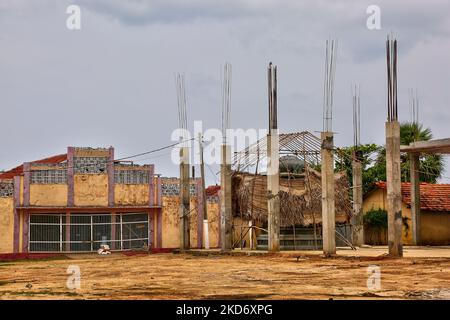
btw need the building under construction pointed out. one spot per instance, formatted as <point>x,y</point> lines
<point>300,194</point>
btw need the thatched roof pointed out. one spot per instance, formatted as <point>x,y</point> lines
<point>300,198</point>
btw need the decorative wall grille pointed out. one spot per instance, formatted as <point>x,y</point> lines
<point>131,176</point>
<point>49,176</point>
<point>6,189</point>
<point>90,164</point>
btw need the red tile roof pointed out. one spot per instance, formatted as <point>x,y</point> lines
<point>433,197</point>
<point>19,170</point>
<point>212,191</point>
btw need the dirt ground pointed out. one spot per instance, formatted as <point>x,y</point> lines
<point>424,273</point>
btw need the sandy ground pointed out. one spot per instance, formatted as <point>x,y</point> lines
<point>424,273</point>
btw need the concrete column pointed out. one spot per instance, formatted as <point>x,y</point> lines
<point>226,215</point>
<point>357,219</point>
<point>184,211</point>
<point>415,198</point>
<point>273,189</point>
<point>328,206</point>
<point>394,189</point>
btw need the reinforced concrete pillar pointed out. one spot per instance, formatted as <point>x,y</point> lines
<point>273,189</point>
<point>184,210</point>
<point>226,216</point>
<point>394,189</point>
<point>415,198</point>
<point>357,219</point>
<point>328,205</point>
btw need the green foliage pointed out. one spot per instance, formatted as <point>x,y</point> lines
<point>431,166</point>
<point>376,218</point>
<point>410,132</point>
<point>372,171</point>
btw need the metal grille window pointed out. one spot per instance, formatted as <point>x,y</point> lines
<point>131,176</point>
<point>49,176</point>
<point>87,232</point>
<point>90,164</point>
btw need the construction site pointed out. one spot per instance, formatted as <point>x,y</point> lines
<point>255,213</point>
<point>284,223</point>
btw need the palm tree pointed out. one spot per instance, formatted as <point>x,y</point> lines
<point>431,166</point>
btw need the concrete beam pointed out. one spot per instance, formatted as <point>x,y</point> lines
<point>394,191</point>
<point>357,219</point>
<point>328,205</point>
<point>431,146</point>
<point>415,197</point>
<point>273,189</point>
<point>184,210</point>
<point>226,215</point>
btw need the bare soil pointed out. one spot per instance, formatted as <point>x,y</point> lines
<point>424,273</point>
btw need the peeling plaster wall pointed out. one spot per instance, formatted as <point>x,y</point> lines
<point>435,228</point>
<point>377,199</point>
<point>170,220</point>
<point>213,209</point>
<point>6,225</point>
<point>91,190</point>
<point>48,195</point>
<point>131,194</point>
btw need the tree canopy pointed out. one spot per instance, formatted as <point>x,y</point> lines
<point>431,166</point>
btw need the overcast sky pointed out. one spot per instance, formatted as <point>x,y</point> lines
<point>112,82</point>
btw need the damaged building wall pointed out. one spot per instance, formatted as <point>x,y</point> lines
<point>171,204</point>
<point>87,178</point>
<point>91,190</point>
<point>6,216</point>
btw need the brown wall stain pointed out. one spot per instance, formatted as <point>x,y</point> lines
<point>48,195</point>
<point>131,194</point>
<point>435,226</point>
<point>6,225</point>
<point>91,190</point>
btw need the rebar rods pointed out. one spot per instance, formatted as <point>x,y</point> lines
<point>226,100</point>
<point>391,58</point>
<point>272,91</point>
<point>356,116</point>
<point>328,88</point>
<point>181,98</point>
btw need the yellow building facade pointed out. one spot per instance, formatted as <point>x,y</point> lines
<point>78,201</point>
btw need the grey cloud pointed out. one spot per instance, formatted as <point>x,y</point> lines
<point>112,83</point>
